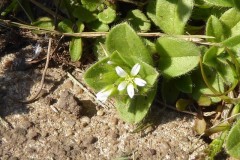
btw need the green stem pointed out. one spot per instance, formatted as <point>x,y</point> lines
<point>223,97</point>
<point>235,61</point>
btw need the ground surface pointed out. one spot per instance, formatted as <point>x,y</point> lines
<point>64,123</point>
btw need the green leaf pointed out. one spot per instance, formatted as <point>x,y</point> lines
<point>75,47</point>
<point>200,88</point>
<point>227,17</point>
<point>100,75</point>
<point>134,110</point>
<point>215,29</point>
<point>170,15</point>
<point>138,20</point>
<point>184,83</point>
<point>151,46</point>
<point>200,124</point>
<point>178,60</point>
<point>216,146</point>
<point>91,5</point>
<point>231,24</point>
<point>210,57</point>
<point>44,22</point>
<point>182,104</point>
<point>216,59</point>
<point>122,38</point>
<point>84,15</point>
<point>169,92</point>
<point>233,43</point>
<point>99,48</point>
<point>98,26</point>
<point>233,141</point>
<point>107,16</point>
<point>204,101</point>
<point>65,26</point>
<point>221,3</point>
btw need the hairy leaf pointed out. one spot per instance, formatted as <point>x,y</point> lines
<point>233,141</point>
<point>215,29</point>
<point>122,38</point>
<point>91,5</point>
<point>170,15</point>
<point>138,20</point>
<point>65,26</point>
<point>134,110</point>
<point>84,15</point>
<point>75,47</point>
<point>107,16</point>
<point>178,60</point>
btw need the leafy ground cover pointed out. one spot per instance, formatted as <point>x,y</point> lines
<point>139,54</point>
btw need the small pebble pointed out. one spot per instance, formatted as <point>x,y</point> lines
<point>85,120</point>
<point>153,151</point>
<point>91,140</point>
<point>100,113</point>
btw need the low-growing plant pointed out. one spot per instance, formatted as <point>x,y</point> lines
<point>197,62</point>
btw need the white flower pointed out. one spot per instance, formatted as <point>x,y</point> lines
<point>130,81</point>
<point>104,94</point>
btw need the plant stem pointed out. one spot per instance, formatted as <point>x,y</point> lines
<point>192,38</point>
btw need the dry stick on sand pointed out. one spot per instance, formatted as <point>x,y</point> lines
<point>96,101</point>
<point>43,76</point>
<point>49,53</point>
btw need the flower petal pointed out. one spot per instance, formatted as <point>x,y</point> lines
<point>122,85</point>
<point>120,72</point>
<point>140,82</point>
<point>135,70</point>
<point>103,95</point>
<point>130,90</point>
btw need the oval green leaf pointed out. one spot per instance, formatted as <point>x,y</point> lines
<point>233,141</point>
<point>178,60</point>
<point>215,29</point>
<point>75,47</point>
<point>122,38</point>
<point>170,15</point>
<point>135,110</point>
<point>65,26</point>
<point>107,16</point>
<point>45,23</point>
<point>84,15</point>
<point>91,5</point>
<point>138,20</point>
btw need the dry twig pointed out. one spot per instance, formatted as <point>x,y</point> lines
<point>96,101</point>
